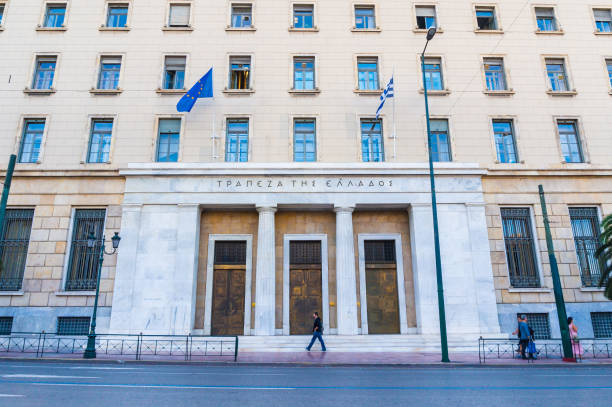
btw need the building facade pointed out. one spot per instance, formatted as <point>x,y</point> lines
<point>284,194</point>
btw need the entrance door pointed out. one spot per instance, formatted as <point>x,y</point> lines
<point>381,287</point>
<point>229,288</point>
<point>305,285</point>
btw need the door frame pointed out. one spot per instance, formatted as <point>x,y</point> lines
<point>212,238</point>
<point>399,266</point>
<point>287,238</point>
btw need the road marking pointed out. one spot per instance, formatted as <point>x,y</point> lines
<point>42,376</point>
<point>11,395</point>
<point>105,368</point>
<point>162,386</point>
<point>575,375</point>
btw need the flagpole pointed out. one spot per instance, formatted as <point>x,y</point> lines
<point>394,133</point>
<point>213,137</point>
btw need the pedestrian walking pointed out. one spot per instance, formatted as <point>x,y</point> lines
<point>522,331</point>
<point>573,330</point>
<point>317,332</point>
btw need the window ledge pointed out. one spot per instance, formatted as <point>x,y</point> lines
<point>555,32</point>
<point>105,28</point>
<point>443,92</point>
<point>562,93</point>
<point>247,29</point>
<point>61,29</point>
<point>42,92</point>
<point>479,31</point>
<point>307,30</point>
<point>424,30</point>
<point>105,91</point>
<point>1,28</point>
<point>364,92</point>
<point>592,289</point>
<point>171,91</point>
<point>167,28</point>
<point>366,30</point>
<point>238,91</point>
<point>610,93</point>
<point>602,33</point>
<point>74,293</point>
<point>508,92</point>
<point>314,91</point>
<point>529,290</point>
<point>9,293</point>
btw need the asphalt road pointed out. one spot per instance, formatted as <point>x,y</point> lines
<point>85,384</point>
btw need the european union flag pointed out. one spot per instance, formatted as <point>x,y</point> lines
<point>202,89</point>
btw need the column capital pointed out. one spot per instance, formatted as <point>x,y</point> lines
<point>261,209</point>
<point>347,209</point>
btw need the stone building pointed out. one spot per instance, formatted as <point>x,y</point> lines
<point>283,194</point>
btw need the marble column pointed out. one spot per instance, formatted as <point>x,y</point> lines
<point>346,281</point>
<point>265,273</point>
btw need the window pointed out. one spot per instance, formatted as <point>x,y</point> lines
<point>31,140</point>
<point>45,71</point>
<point>602,324</point>
<point>14,247</point>
<point>55,15</point>
<point>303,73</point>
<point>100,141</point>
<point>117,15</point>
<point>495,75</point>
<point>425,17</point>
<point>168,140</point>
<point>372,149</point>
<point>237,140</point>
<point>2,5</point>
<point>439,140</point>
<point>609,67</point>
<point>110,69</point>
<point>540,325</point>
<point>242,15</point>
<point>179,15</point>
<point>546,20</point>
<point>6,325</point>
<point>303,16</point>
<point>570,141</point>
<point>485,18</point>
<point>520,248</point>
<point>365,17</point>
<point>433,74</point>
<point>505,144</point>
<point>174,72</point>
<point>557,77</point>
<point>367,72</point>
<point>82,271</point>
<point>304,140</point>
<point>240,73</point>
<point>603,20</point>
<point>585,227</point>
<point>73,325</point>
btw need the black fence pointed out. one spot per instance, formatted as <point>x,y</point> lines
<point>140,347</point>
<point>587,348</point>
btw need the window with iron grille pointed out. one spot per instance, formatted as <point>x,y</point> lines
<point>379,251</point>
<point>305,252</point>
<point>83,262</point>
<point>230,252</point>
<point>72,325</point>
<point>520,248</point>
<point>6,325</point>
<point>14,247</point>
<point>602,324</point>
<point>585,226</point>
<point>539,323</point>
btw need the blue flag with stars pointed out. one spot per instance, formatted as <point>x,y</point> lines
<point>202,89</point>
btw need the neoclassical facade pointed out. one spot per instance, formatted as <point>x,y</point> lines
<point>283,194</point>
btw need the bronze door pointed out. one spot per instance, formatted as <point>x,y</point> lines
<point>381,287</point>
<point>304,285</point>
<point>228,288</point>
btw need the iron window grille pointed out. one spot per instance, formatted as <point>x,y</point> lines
<point>174,72</point>
<point>83,261</point>
<point>546,19</point>
<point>305,252</point>
<point>303,73</point>
<point>73,325</point>
<point>6,325</point>
<point>520,248</point>
<point>55,15</point>
<point>425,17</point>
<point>603,20</point>
<point>495,74</point>
<point>379,251</point>
<point>602,324</point>
<point>303,16</point>
<point>539,323</point>
<point>168,141</point>
<point>117,15</point>
<point>240,73</point>
<point>230,252</point>
<point>557,75</point>
<point>433,74</point>
<point>365,17</point>
<point>571,147</point>
<point>585,227</point>
<point>14,247</point>
<point>242,16</point>
<point>372,145</point>
<point>367,73</point>
<point>31,140</point>
<point>440,141</point>
<point>505,143</point>
<point>237,140</point>
<point>304,140</point>
<point>45,72</point>
<point>485,18</point>
<point>110,69</point>
<point>100,141</point>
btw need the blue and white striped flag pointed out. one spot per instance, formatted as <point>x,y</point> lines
<point>387,93</point>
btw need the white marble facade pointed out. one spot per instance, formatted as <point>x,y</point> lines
<point>157,267</point>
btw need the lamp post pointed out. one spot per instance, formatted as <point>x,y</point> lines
<point>90,351</point>
<point>441,312</point>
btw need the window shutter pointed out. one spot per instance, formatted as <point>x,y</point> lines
<point>602,15</point>
<point>545,12</point>
<point>179,15</point>
<point>425,12</point>
<point>169,126</point>
<point>439,126</point>
<point>175,62</point>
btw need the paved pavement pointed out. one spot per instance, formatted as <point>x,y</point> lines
<point>45,383</point>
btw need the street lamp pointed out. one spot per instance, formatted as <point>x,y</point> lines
<point>90,351</point>
<point>442,314</point>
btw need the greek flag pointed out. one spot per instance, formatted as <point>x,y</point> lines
<point>387,93</point>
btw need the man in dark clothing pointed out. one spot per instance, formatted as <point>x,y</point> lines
<point>523,334</point>
<point>317,332</point>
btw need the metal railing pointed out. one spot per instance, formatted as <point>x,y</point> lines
<point>181,347</point>
<point>590,348</point>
